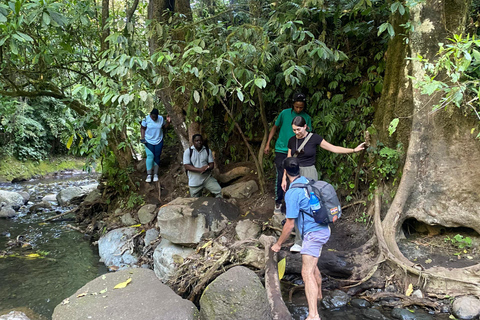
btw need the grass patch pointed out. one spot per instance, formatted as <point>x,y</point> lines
<point>11,168</point>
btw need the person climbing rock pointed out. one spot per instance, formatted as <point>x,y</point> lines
<point>151,135</point>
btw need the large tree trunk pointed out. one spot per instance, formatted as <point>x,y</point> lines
<point>441,175</point>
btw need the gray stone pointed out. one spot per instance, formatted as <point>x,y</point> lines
<point>146,214</point>
<point>150,236</point>
<point>167,256</point>
<point>466,307</point>
<point>40,206</point>
<point>7,212</point>
<point>185,221</point>
<point>52,197</point>
<point>247,229</point>
<point>417,294</point>
<point>145,297</point>
<point>336,299</point>
<point>25,195</point>
<point>93,196</point>
<point>14,315</point>
<point>113,250</point>
<point>404,314</point>
<point>237,294</point>
<point>127,219</point>
<point>11,198</point>
<point>240,190</point>
<point>67,194</point>
<point>254,257</point>
<point>360,303</point>
<point>373,314</point>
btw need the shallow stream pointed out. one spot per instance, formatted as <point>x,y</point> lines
<point>59,261</point>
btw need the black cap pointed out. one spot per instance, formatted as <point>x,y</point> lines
<point>292,166</point>
<point>299,97</point>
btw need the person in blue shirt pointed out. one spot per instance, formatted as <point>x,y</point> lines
<point>314,235</point>
<point>151,134</point>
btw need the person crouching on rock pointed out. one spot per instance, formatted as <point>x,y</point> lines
<point>198,162</point>
<point>314,235</point>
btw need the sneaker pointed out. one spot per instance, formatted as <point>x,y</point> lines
<point>149,178</point>
<point>155,177</point>
<point>296,248</point>
<point>278,208</point>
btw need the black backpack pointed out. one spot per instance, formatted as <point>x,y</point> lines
<point>330,209</point>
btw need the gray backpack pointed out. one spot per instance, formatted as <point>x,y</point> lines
<point>330,209</point>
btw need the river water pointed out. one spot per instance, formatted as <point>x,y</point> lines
<point>66,260</point>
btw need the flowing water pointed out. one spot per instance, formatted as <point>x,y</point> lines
<point>58,261</point>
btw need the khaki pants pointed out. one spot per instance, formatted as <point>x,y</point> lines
<point>210,184</point>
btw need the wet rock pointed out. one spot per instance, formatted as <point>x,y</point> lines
<point>360,303</point>
<point>373,314</point>
<point>145,297</point>
<point>254,257</point>
<point>240,190</point>
<point>185,221</point>
<point>40,206</point>
<point>335,299</point>
<point>237,294</point>
<point>25,195</point>
<point>127,219</point>
<point>14,315</point>
<point>146,214</point>
<point>150,236</point>
<point>12,198</point>
<point>67,194</point>
<point>7,211</point>
<point>113,248</point>
<point>247,229</point>
<point>167,257</point>
<point>466,307</point>
<point>404,314</point>
<point>52,197</point>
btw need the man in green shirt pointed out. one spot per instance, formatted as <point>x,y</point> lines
<point>284,122</point>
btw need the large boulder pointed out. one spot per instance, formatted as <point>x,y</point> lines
<point>145,297</point>
<point>240,190</point>
<point>6,211</point>
<point>13,199</point>
<point>113,248</point>
<point>466,307</point>
<point>237,294</point>
<point>167,257</point>
<point>65,196</point>
<point>185,221</point>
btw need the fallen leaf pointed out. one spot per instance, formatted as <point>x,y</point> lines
<point>104,277</point>
<point>332,250</point>
<point>469,257</point>
<point>409,290</point>
<point>82,294</point>
<point>177,259</point>
<point>103,291</point>
<point>428,261</point>
<point>32,255</point>
<point>135,226</point>
<point>123,284</point>
<point>65,301</point>
<point>281,268</point>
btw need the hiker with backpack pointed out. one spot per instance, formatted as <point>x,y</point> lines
<point>151,135</point>
<point>314,235</point>
<point>198,162</point>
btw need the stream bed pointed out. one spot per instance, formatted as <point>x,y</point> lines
<point>57,261</point>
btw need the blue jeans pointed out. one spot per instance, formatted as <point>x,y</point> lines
<point>153,154</point>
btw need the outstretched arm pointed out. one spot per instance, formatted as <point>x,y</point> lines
<point>336,149</point>
<point>270,137</point>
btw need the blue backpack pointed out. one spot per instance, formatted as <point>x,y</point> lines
<point>330,209</point>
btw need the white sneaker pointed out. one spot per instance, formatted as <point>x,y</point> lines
<point>149,178</point>
<point>296,248</point>
<point>155,177</point>
<point>278,208</point>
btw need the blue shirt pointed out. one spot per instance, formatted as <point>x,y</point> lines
<point>154,132</point>
<point>297,199</point>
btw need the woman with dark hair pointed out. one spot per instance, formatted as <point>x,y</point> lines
<point>151,134</point>
<point>283,122</point>
<point>306,152</point>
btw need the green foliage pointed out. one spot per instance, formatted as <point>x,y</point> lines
<point>459,241</point>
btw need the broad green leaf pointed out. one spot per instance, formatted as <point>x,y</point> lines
<point>240,95</point>
<point>26,37</point>
<point>46,19</point>
<point>390,30</point>
<point>89,133</point>
<point>281,268</point>
<point>3,18</point>
<point>143,95</point>
<point>382,28</point>
<point>261,83</point>
<point>393,126</point>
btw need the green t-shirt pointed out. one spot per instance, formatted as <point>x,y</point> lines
<point>284,122</point>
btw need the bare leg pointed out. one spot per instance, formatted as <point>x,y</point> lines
<point>309,264</point>
<point>318,278</point>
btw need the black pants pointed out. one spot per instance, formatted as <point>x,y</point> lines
<point>279,194</point>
